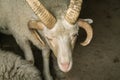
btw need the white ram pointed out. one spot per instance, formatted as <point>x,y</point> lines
<point>52,26</point>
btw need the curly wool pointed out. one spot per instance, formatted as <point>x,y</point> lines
<point>12,67</point>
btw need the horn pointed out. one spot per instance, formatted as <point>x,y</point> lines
<point>44,15</point>
<point>83,24</point>
<point>73,11</point>
<point>34,24</point>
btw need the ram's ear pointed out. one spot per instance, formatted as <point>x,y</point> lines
<point>35,24</point>
<point>88,20</point>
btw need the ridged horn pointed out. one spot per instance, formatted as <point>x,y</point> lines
<point>73,11</point>
<point>44,15</point>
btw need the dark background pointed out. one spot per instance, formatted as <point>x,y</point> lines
<point>101,59</point>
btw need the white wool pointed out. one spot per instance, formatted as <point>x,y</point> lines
<point>13,67</point>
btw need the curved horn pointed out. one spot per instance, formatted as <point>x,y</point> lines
<point>73,11</point>
<point>46,17</point>
<point>89,31</point>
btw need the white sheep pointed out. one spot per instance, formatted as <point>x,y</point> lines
<point>13,67</point>
<point>58,31</point>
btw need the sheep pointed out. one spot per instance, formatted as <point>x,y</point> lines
<point>48,24</point>
<point>13,67</point>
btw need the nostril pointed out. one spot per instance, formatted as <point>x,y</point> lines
<point>65,65</point>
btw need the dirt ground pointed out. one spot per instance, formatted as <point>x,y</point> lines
<point>101,59</point>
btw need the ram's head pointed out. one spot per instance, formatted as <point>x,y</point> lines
<point>60,34</point>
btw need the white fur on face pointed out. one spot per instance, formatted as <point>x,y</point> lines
<point>61,40</point>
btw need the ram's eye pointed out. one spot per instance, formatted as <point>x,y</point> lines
<point>51,40</point>
<point>75,35</point>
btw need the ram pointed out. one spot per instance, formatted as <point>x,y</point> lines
<point>48,24</point>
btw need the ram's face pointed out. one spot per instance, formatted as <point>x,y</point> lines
<point>61,39</point>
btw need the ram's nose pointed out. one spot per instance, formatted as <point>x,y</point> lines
<point>65,67</point>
